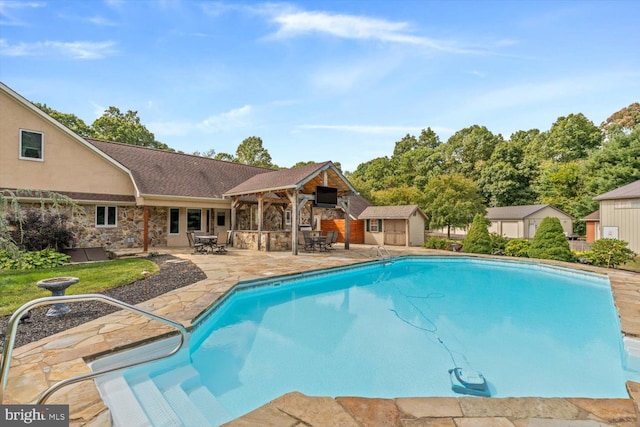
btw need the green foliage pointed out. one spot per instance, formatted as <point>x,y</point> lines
<point>251,152</point>
<point>404,195</point>
<point>452,201</point>
<point>477,240</point>
<point>498,243</point>
<point>436,243</point>
<point>71,121</point>
<point>571,138</point>
<point>609,253</point>
<point>517,247</point>
<point>47,258</point>
<point>468,149</point>
<point>114,125</point>
<point>622,121</point>
<point>550,242</point>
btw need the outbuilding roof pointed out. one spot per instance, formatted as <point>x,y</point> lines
<point>629,191</point>
<point>593,216</point>
<point>517,212</point>
<point>390,212</point>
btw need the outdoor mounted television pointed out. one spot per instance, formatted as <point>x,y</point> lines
<point>326,197</point>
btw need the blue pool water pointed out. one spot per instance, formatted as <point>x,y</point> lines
<point>394,329</point>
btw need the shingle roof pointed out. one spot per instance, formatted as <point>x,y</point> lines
<point>307,177</point>
<point>629,191</point>
<point>593,216</point>
<point>389,212</point>
<point>357,205</point>
<point>516,212</point>
<point>160,172</point>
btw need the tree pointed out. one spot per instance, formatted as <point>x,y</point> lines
<point>452,201</point>
<point>502,181</point>
<point>624,120</point>
<point>468,149</point>
<point>71,121</point>
<point>211,153</point>
<point>477,240</point>
<point>377,173</point>
<point>561,185</point>
<point>403,195</point>
<point>251,152</point>
<point>550,242</point>
<point>615,165</point>
<point>113,125</point>
<point>572,138</point>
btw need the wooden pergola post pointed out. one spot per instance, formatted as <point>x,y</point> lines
<point>145,238</point>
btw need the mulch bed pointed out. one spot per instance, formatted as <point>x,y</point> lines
<point>172,275</point>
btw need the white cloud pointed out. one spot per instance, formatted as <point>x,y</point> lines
<point>7,7</point>
<point>73,50</point>
<point>232,119</point>
<point>223,122</point>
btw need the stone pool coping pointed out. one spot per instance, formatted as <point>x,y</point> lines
<point>38,365</point>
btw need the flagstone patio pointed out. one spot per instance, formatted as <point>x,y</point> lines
<point>38,365</point>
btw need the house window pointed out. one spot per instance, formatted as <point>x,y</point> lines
<point>174,221</point>
<point>194,219</point>
<point>106,216</point>
<point>220,219</point>
<point>374,225</point>
<point>31,145</point>
<point>287,217</point>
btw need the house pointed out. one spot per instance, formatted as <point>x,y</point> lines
<point>592,223</point>
<point>394,225</point>
<point>620,214</point>
<point>140,197</point>
<point>523,221</point>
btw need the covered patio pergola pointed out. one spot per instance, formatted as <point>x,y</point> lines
<point>292,187</point>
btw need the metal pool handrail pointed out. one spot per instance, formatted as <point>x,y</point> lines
<point>13,326</point>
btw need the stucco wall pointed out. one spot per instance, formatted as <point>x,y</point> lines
<point>68,165</point>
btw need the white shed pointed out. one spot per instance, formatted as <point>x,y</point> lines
<point>523,221</point>
<point>394,225</point>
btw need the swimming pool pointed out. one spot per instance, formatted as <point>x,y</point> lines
<point>394,329</point>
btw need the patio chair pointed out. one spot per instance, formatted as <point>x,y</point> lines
<point>332,237</point>
<point>305,242</point>
<point>198,247</point>
<point>221,243</point>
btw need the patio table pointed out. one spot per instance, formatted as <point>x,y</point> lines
<point>209,241</point>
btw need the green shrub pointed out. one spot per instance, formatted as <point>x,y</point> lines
<point>498,243</point>
<point>550,242</point>
<point>609,253</point>
<point>436,243</point>
<point>477,241</point>
<point>517,247</point>
<point>31,260</point>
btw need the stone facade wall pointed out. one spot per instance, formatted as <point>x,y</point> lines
<point>129,232</point>
<point>273,217</point>
<point>269,240</point>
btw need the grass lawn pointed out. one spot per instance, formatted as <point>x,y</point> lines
<point>19,286</point>
<point>632,265</point>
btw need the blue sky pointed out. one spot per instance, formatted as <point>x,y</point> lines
<point>339,81</point>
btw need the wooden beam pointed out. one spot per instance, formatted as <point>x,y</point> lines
<point>293,198</point>
<point>145,238</point>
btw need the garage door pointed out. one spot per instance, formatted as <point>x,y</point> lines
<point>510,229</point>
<point>394,232</point>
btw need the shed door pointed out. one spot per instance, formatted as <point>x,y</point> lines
<point>394,232</point>
<point>510,229</point>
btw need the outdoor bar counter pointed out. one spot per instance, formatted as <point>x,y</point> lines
<point>266,240</point>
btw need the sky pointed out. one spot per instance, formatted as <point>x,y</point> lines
<point>323,80</point>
